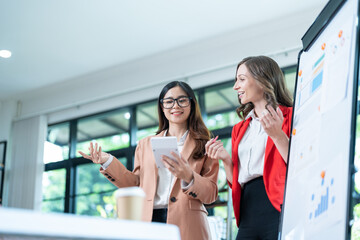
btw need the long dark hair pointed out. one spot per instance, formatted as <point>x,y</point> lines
<point>197,129</point>
<point>267,74</point>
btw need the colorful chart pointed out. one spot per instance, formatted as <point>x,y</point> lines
<point>321,200</point>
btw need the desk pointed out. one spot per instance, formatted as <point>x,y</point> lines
<point>27,224</point>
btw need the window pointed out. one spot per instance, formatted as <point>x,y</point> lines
<point>94,193</point>
<point>290,78</point>
<point>355,231</point>
<point>220,104</point>
<point>53,191</point>
<point>57,144</point>
<point>146,119</point>
<point>2,167</point>
<point>110,130</point>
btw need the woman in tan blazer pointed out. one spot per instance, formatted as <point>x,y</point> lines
<point>174,194</point>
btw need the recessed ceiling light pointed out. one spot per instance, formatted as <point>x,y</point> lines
<point>5,53</point>
<point>127,115</point>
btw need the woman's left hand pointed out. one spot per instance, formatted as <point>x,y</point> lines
<point>178,166</point>
<point>271,121</point>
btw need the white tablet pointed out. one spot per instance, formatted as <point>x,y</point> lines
<point>163,146</point>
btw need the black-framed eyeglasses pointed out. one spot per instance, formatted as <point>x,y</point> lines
<point>170,102</point>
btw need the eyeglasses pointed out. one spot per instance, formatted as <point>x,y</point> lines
<point>170,102</point>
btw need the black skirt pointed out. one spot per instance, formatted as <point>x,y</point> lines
<point>258,217</point>
<point>159,215</point>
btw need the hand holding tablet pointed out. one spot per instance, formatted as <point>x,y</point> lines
<point>163,146</point>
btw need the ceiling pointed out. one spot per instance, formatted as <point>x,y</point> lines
<point>53,41</point>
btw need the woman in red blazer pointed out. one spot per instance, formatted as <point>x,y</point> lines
<point>256,170</point>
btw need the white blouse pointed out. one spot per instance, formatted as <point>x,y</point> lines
<point>251,150</point>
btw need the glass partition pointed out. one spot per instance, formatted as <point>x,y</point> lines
<point>56,147</point>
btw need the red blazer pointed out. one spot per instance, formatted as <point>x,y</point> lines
<point>274,166</point>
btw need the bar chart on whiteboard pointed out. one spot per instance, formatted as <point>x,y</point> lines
<point>323,198</point>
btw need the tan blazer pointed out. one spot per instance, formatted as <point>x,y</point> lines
<point>185,209</point>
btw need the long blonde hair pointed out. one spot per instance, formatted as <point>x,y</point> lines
<point>269,76</point>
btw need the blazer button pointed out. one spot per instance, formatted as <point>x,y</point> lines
<point>173,199</point>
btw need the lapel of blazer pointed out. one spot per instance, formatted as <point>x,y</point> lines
<point>188,147</point>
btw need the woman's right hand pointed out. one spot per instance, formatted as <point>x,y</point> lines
<point>215,149</point>
<point>96,156</point>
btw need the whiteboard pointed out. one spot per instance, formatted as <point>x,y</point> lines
<point>316,193</point>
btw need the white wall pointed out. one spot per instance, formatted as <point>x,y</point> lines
<point>202,63</point>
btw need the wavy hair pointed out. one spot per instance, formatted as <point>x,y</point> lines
<point>197,129</point>
<point>269,76</point>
